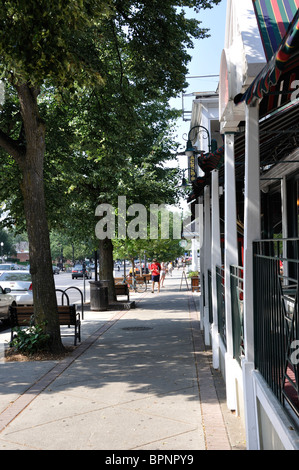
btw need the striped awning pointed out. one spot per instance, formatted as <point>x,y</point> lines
<point>207,162</point>
<point>211,161</point>
<point>284,61</point>
<point>274,18</point>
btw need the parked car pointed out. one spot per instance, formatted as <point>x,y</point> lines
<point>56,269</point>
<point>6,299</point>
<point>8,267</point>
<point>77,271</point>
<point>20,285</point>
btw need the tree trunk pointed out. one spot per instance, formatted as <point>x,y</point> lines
<point>106,266</point>
<point>31,164</point>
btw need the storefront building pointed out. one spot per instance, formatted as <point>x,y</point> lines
<point>247,194</point>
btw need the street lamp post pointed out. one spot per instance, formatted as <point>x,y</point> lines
<point>191,152</point>
<point>189,148</point>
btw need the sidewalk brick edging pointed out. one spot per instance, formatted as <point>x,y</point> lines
<point>213,424</point>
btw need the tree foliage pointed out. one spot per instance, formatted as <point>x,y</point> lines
<point>44,40</point>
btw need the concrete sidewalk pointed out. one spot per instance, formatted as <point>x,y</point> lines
<point>140,380</point>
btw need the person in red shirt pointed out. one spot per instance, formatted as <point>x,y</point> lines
<point>155,269</point>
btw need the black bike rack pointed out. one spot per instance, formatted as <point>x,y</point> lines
<point>68,300</point>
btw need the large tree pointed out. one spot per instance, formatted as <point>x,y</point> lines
<point>39,44</point>
<point>61,44</point>
<point>125,159</point>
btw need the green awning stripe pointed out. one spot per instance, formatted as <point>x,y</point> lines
<point>274,17</point>
<point>284,60</point>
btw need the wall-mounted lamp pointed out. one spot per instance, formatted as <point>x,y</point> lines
<point>184,181</point>
<point>189,148</point>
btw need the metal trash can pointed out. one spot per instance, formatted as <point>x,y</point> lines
<point>99,295</point>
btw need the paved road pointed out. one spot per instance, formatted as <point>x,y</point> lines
<point>76,288</point>
<point>64,281</point>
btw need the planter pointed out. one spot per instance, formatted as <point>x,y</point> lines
<point>195,283</point>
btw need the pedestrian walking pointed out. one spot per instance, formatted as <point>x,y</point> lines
<point>162,274</point>
<point>155,269</point>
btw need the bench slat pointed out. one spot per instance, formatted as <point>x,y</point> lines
<point>67,315</point>
<point>24,318</point>
<point>122,289</point>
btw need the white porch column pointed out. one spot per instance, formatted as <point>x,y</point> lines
<point>252,231</point>
<point>202,257</point>
<point>194,244</point>
<point>207,260</point>
<point>230,258</point>
<point>215,261</point>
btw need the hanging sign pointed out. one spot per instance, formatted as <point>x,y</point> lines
<point>192,168</point>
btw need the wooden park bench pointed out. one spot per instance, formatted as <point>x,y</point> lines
<point>119,281</point>
<point>147,277</point>
<point>67,315</point>
<point>122,289</point>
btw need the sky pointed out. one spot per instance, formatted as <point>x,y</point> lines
<point>206,57</point>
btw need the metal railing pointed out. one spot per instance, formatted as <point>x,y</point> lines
<point>221,303</point>
<point>276,320</point>
<point>236,286</point>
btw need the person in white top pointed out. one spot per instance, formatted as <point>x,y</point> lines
<point>162,274</point>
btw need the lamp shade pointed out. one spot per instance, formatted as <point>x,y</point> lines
<point>189,149</point>
<point>184,182</point>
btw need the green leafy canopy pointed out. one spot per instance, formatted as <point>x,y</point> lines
<point>42,40</point>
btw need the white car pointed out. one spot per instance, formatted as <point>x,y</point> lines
<point>5,301</point>
<point>20,284</point>
<point>8,267</point>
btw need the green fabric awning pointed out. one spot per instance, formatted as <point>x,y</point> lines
<point>274,18</point>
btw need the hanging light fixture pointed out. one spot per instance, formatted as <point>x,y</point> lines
<point>189,148</point>
<point>184,182</point>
